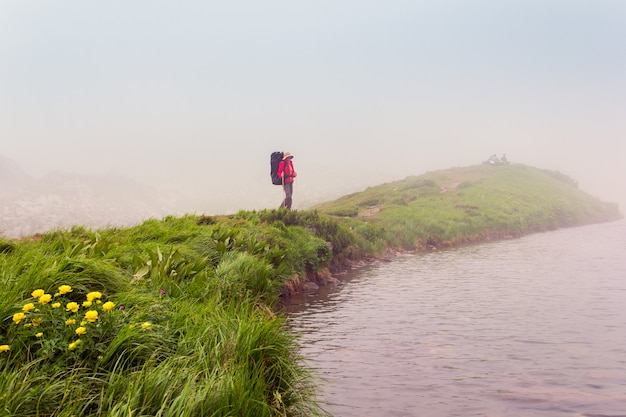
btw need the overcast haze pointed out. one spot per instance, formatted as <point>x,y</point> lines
<point>193,96</point>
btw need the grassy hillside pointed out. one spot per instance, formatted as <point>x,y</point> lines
<point>178,316</point>
<point>461,205</point>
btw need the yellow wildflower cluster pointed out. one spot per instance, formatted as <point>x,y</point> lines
<point>31,316</point>
<point>85,320</point>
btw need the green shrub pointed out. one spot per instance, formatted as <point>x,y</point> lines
<point>243,275</point>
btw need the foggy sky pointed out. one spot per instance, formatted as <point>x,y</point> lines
<point>193,96</point>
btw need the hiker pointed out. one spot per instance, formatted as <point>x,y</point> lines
<point>287,173</point>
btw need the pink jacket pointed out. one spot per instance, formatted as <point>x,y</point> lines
<point>286,171</point>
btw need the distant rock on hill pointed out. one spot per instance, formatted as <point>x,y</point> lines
<point>61,200</point>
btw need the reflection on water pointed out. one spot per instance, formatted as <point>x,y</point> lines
<point>527,327</point>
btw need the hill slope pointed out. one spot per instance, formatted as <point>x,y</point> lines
<point>461,205</point>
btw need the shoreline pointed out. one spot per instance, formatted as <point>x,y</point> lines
<point>327,276</point>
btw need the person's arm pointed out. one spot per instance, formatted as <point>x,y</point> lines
<point>281,169</point>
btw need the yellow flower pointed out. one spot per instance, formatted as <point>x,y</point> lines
<point>56,305</point>
<point>91,316</point>
<point>37,293</point>
<point>28,307</point>
<point>73,307</point>
<point>80,330</point>
<point>4,348</point>
<point>69,322</point>
<point>17,317</point>
<point>44,299</point>
<point>86,303</point>
<point>36,322</point>
<point>108,306</point>
<point>83,323</point>
<point>64,289</point>
<point>73,345</point>
<point>145,325</point>
<point>93,295</point>
<point>40,334</point>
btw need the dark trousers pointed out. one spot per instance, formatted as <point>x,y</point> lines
<point>288,187</point>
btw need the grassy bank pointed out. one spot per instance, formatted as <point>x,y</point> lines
<point>177,317</point>
<point>463,205</point>
<point>169,318</point>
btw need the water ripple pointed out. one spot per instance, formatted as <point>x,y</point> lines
<point>528,327</point>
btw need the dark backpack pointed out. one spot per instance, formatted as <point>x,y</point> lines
<point>275,159</point>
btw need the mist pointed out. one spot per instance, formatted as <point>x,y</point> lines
<point>189,99</point>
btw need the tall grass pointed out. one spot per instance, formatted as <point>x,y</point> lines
<point>180,322</point>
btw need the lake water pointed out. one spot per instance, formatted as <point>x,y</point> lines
<point>534,326</point>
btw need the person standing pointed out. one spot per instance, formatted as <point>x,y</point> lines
<point>287,173</point>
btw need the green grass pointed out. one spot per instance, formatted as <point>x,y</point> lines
<point>193,331</point>
<point>461,205</point>
<point>184,318</point>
